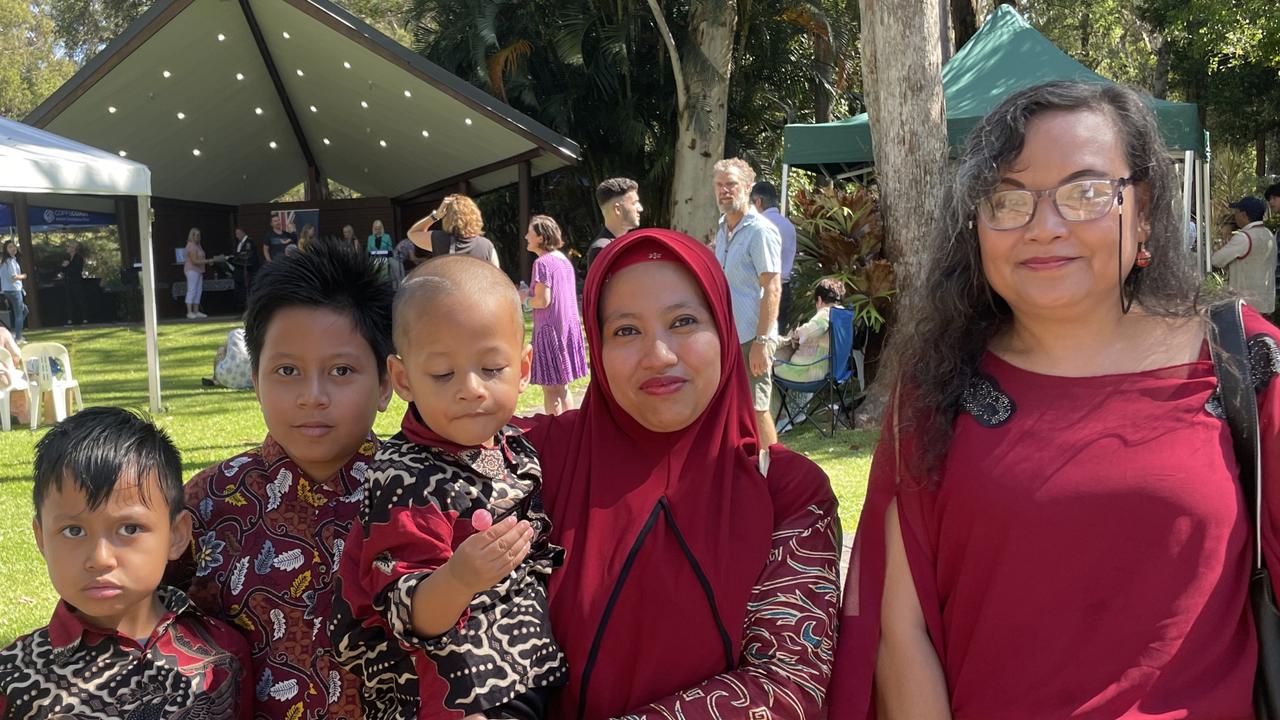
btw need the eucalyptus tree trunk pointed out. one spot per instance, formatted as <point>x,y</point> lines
<point>702,68</point>
<point>902,81</point>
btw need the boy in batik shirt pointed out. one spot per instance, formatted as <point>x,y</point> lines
<point>109,517</point>
<point>270,523</point>
<point>443,607</point>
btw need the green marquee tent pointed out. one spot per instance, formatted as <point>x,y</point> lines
<point>1005,55</point>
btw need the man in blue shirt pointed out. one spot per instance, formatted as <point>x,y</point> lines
<point>764,197</point>
<point>750,252</point>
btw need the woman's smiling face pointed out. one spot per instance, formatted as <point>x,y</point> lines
<point>660,346</point>
<point>1052,265</point>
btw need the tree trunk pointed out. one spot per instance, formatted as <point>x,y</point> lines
<point>1260,153</point>
<point>1086,32</point>
<point>902,81</point>
<point>964,22</point>
<point>824,75</point>
<point>703,72</point>
<point>1164,57</point>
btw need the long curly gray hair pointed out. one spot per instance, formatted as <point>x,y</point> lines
<point>955,311</point>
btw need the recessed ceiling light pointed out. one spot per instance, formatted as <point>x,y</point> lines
<point>364,104</point>
<point>383,143</point>
<point>408,94</point>
<point>426,134</point>
<point>182,116</point>
<point>195,151</point>
<point>326,140</point>
<point>299,71</point>
<point>221,37</point>
<point>166,73</point>
<point>111,109</point>
<point>313,108</point>
<point>239,76</point>
<point>257,111</point>
<point>468,121</point>
<point>346,64</point>
<point>272,144</point>
<point>285,34</point>
<point>123,154</point>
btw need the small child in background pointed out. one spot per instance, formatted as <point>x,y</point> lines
<point>443,609</point>
<point>270,523</point>
<point>108,519</point>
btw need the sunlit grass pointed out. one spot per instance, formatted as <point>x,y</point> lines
<point>211,424</point>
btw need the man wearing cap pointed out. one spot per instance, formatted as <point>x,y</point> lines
<point>1249,256</point>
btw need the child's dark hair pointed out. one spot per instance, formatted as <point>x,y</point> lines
<point>96,447</point>
<point>327,276</point>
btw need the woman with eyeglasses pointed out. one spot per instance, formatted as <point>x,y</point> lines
<point>1053,527</point>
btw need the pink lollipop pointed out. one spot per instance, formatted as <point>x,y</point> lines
<point>481,520</point>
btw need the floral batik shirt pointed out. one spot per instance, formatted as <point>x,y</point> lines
<point>192,667</point>
<point>418,505</point>
<point>266,545</point>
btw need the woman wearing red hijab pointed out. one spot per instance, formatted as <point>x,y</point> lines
<point>700,573</point>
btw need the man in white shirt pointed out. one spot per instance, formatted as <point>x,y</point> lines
<point>1249,256</point>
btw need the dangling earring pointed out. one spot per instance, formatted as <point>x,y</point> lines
<point>1144,255</point>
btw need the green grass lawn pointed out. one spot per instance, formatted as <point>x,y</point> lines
<point>210,424</point>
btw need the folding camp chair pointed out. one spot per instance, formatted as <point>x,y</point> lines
<point>834,391</point>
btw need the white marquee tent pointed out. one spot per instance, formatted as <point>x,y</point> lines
<point>36,161</point>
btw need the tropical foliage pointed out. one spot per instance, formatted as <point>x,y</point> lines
<point>839,235</point>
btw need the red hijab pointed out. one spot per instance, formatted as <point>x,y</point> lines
<point>665,533</point>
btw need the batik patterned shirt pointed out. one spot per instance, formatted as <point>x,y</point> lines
<point>266,546</point>
<point>417,510</point>
<point>192,667</point>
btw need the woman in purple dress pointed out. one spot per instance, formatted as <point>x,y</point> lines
<point>559,357</point>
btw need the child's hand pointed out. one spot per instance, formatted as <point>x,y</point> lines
<point>483,559</point>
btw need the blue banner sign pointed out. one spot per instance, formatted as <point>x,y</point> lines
<point>45,219</point>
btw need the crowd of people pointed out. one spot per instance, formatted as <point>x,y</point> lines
<point>1055,524</point>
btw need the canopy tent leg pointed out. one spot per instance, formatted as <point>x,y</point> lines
<point>786,196</point>
<point>1189,172</point>
<point>1207,224</point>
<point>149,303</point>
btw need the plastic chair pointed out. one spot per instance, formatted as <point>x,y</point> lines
<point>844,365</point>
<point>48,368</point>
<point>16,383</point>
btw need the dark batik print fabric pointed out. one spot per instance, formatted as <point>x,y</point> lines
<point>417,509</point>
<point>266,546</point>
<point>191,668</point>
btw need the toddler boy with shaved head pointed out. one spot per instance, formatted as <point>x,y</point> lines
<point>443,603</point>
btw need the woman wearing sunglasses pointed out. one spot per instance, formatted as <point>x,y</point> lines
<point>1053,527</point>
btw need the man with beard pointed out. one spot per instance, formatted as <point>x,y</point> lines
<point>749,249</point>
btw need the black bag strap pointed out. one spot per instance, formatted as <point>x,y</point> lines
<point>1230,351</point>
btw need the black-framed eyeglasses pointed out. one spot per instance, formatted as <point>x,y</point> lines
<point>1076,201</point>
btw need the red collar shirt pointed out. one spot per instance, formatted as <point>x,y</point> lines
<point>191,666</point>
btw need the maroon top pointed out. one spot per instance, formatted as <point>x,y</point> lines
<point>693,585</point>
<point>266,543</point>
<point>191,666</point>
<point>1086,553</point>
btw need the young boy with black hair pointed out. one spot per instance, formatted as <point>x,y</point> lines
<point>442,610</point>
<point>108,518</point>
<point>270,523</point>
